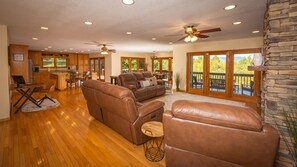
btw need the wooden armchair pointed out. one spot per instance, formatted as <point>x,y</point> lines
<point>47,88</point>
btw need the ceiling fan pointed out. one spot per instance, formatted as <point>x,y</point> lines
<point>191,34</point>
<point>104,50</point>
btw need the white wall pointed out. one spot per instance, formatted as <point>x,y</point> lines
<point>180,52</point>
<point>4,75</point>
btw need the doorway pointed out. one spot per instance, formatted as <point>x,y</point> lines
<point>224,74</point>
<point>98,68</point>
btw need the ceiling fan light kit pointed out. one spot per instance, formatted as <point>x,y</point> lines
<point>128,2</point>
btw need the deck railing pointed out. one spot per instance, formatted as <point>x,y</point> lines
<point>218,80</point>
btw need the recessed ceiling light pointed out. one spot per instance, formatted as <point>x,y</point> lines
<point>44,28</point>
<point>128,33</point>
<point>230,7</point>
<point>128,2</point>
<point>49,47</point>
<point>45,48</point>
<point>255,32</point>
<point>170,43</point>
<point>237,23</point>
<point>154,39</point>
<point>35,39</point>
<point>88,23</point>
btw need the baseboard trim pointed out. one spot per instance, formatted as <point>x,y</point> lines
<point>4,119</point>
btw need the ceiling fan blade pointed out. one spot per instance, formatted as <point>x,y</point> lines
<point>173,35</point>
<point>112,50</point>
<point>202,36</point>
<point>182,38</point>
<point>210,30</point>
<point>90,43</point>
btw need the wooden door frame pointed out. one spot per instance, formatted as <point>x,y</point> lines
<point>98,58</point>
<point>160,61</point>
<point>129,63</point>
<point>250,100</point>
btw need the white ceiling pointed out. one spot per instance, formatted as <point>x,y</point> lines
<point>112,19</point>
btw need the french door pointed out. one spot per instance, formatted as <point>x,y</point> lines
<point>223,74</point>
<point>98,68</point>
<point>208,73</point>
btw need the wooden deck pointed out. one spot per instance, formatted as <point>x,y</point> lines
<point>65,136</point>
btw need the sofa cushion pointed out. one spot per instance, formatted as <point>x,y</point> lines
<point>218,114</point>
<point>140,92</point>
<point>147,74</point>
<point>127,79</point>
<point>145,83</point>
<point>152,80</point>
<point>139,76</point>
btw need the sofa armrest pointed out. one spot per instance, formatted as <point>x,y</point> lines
<point>149,108</point>
<point>160,82</point>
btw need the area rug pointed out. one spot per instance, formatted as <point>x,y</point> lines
<point>46,105</point>
<point>170,98</point>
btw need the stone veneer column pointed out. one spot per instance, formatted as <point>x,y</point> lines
<point>280,54</point>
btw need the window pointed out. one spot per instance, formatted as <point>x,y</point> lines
<point>61,62</point>
<point>48,62</point>
<point>132,64</point>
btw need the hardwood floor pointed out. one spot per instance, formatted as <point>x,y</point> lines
<point>65,136</point>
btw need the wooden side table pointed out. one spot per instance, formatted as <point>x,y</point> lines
<point>153,149</point>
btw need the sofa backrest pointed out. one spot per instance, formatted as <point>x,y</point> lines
<point>217,135</point>
<point>102,97</point>
<point>127,79</point>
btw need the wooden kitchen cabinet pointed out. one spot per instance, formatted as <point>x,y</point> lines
<point>83,63</point>
<point>72,59</point>
<point>35,56</point>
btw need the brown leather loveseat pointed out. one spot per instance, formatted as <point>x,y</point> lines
<point>116,107</point>
<point>209,135</point>
<point>131,81</point>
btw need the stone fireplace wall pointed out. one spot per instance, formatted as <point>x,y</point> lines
<point>280,55</point>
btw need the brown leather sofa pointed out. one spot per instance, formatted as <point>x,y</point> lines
<point>208,135</point>
<point>116,107</point>
<point>131,81</point>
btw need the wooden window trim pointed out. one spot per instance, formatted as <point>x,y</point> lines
<point>129,63</point>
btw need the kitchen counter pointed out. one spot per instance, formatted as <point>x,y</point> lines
<point>61,79</point>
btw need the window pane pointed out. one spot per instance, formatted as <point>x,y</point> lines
<point>217,75</point>
<point>141,64</point>
<point>156,65</point>
<point>165,65</point>
<point>102,69</point>
<point>48,62</point>
<point>134,65</point>
<point>61,62</point>
<point>125,65</point>
<point>197,66</point>
<point>243,80</point>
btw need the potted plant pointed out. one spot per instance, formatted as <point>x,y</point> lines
<point>177,81</point>
<point>288,130</point>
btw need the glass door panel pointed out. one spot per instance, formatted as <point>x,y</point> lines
<point>217,73</point>
<point>125,66</point>
<point>102,69</point>
<point>141,64</point>
<point>156,65</point>
<point>243,80</point>
<point>196,72</point>
<point>134,65</point>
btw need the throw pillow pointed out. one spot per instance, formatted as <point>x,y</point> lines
<point>145,83</point>
<point>153,80</point>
